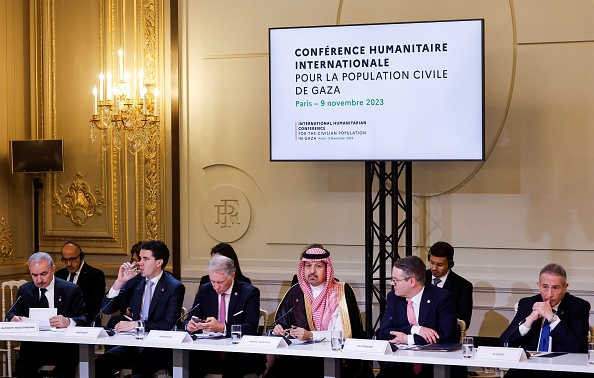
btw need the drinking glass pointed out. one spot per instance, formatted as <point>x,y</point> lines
<point>467,347</point>
<point>139,329</point>
<point>235,333</point>
<point>591,353</point>
<point>336,339</point>
<point>132,269</point>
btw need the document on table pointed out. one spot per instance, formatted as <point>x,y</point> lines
<point>42,315</point>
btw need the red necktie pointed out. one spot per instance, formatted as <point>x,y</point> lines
<point>410,314</point>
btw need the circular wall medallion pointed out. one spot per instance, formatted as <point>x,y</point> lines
<point>226,213</point>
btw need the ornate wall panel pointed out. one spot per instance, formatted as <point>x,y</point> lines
<point>110,194</point>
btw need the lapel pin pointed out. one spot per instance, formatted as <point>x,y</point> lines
<point>428,300</point>
<point>162,289</point>
<point>235,293</point>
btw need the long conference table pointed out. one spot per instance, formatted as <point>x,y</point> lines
<point>441,360</point>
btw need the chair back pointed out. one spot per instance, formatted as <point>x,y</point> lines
<point>264,319</point>
<point>9,290</point>
<point>462,327</point>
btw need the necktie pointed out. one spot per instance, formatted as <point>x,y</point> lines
<point>72,275</point>
<point>146,302</point>
<point>543,345</point>
<point>436,281</point>
<point>222,309</point>
<point>43,299</point>
<point>410,313</point>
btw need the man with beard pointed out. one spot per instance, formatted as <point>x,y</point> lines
<point>313,308</point>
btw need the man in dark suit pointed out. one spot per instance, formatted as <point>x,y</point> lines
<point>552,321</point>
<point>220,303</point>
<point>48,291</point>
<point>154,297</point>
<point>90,280</point>
<point>415,315</point>
<point>441,262</point>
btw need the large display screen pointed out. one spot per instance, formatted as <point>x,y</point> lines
<point>401,91</point>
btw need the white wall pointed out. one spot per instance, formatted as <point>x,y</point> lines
<point>530,203</point>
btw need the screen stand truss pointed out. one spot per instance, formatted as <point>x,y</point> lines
<point>383,200</point>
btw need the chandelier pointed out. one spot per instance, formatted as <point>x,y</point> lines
<point>126,105</point>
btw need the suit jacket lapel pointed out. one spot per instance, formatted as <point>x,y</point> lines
<point>425,304</point>
<point>82,276</point>
<point>233,300</point>
<point>58,295</point>
<point>136,298</point>
<point>159,291</point>
<point>35,294</point>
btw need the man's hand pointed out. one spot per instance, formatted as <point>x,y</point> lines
<point>124,326</point>
<point>278,330</point>
<point>544,309</point>
<point>431,336</point>
<point>399,337</point>
<point>211,324</point>
<point>193,325</point>
<point>16,318</point>
<point>124,274</point>
<point>300,333</point>
<point>59,321</point>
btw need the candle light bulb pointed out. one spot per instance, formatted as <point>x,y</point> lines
<point>101,78</point>
<point>94,100</point>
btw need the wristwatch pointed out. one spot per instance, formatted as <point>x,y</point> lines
<point>554,319</point>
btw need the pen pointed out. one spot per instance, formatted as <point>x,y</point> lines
<point>238,313</point>
<point>127,317</point>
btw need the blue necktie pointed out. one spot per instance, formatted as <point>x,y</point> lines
<point>543,345</point>
<point>146,302</point>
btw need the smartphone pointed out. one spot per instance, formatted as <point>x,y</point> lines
<point>197,319</point>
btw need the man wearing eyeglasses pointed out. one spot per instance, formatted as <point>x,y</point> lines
<point>416,314</point>
<point>91,280</point>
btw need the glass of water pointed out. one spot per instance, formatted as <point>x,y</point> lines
<point>235,333</point>
<point>139,330</point>
<point>591,353</point>
<point>467,347</point>
<point>336,339</point>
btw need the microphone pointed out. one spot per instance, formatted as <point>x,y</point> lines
<point>100,311</point>
<point>11,307</point>
<point>276,322</point>
<point>184,314</point>
<point>281,317</point>
<point>516,329</point>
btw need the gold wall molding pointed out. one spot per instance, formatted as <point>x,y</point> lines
<point>79,204</point>
<point>6,249</point>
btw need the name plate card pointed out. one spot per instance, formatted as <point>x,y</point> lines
<point>367,346</point>
<point>500,354</point>
<point>10,327</point>
<point>92,332</point>
<point>169,336</point>
<point>261,341</point>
